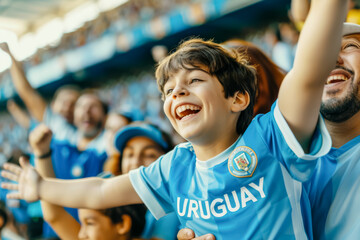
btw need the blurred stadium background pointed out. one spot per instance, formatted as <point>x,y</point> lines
<point>107,45</point>
<point>91,43</point>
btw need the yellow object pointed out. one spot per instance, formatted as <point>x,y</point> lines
<point>354,16</point>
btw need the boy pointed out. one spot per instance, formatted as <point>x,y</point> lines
<point>237,184</point>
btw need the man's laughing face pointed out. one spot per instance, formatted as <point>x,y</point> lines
<point>341,97</point>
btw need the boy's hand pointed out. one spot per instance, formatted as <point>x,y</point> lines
<point>188,234</point>
<point>5,47</point>
<point>40,139</point>
<point>26,176</point>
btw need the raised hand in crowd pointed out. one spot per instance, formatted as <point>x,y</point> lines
<point>28,178</point>
<point>40,139</point>
<point>5,47</point>
<point>34,102</point>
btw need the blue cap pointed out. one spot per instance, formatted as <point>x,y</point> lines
<point>141,130</point>
<point>134,114</point>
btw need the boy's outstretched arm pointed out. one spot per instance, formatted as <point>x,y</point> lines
<point>318,47</point>
<point>34,102</point>
<point>92,193</point>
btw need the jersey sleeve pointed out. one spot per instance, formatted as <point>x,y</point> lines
<point>152,185</point>
<point>284,146</point>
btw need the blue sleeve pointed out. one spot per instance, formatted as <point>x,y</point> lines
<point>152,185</point>
<point>284,146</point>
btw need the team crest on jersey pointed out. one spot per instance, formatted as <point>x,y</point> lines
<point>242,162</point>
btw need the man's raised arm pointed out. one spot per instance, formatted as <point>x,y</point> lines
<point>34,102</point>
<point>318,47</point>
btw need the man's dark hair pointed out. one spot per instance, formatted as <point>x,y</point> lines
<point>105,106</point>
<point>72,88</point>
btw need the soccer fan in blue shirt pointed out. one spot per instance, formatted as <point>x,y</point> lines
<point>237,178</point>
<point>80,152</point>
<point>334,189</point>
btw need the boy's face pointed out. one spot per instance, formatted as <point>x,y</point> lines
<point>195,104</point>
<point>341,97</point>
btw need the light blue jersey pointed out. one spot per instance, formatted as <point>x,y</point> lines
<point>334,192</point>
<point>166,228</point>
<point>252,190</point>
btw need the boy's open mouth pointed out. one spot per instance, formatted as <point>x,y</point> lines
<point>186,110</point>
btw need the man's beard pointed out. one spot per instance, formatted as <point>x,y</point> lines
<point>94,131</point>
<point>336,110</point>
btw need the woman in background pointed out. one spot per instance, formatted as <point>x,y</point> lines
<point>269,76</point>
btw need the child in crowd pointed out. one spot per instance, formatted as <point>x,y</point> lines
<point>141,144</point>
<point>236,178</point>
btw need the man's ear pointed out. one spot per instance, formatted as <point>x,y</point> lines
<point>240,102</point>
<point>124,227</point>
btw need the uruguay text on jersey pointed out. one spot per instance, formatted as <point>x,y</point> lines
<point>219,207</point>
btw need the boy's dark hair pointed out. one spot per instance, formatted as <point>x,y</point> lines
<point>231,69</point>
<point>136,212</point>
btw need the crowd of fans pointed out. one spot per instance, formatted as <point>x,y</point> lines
<point>135,97</point>
<point>114,21</point>
<point>133,100</point>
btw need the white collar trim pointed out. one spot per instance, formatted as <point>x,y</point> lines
<point>221,157</point>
